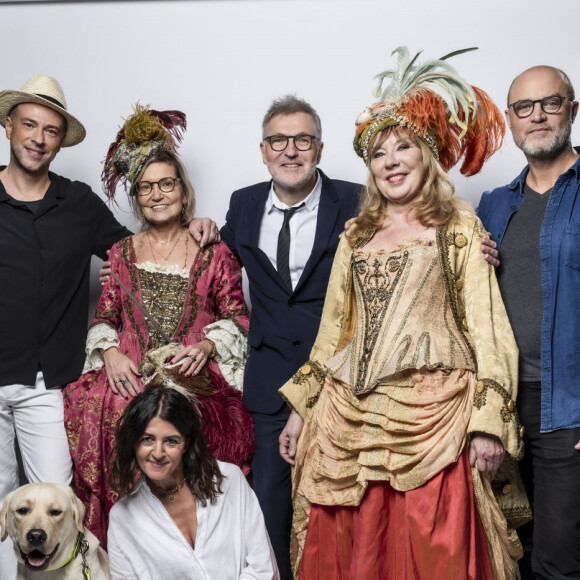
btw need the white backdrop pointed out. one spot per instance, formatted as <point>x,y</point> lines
<point>222,63</point>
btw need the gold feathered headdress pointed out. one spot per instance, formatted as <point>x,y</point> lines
<point>455,119</point>
<point>144,133</point>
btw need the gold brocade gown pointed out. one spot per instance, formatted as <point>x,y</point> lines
<point>414,352</point>
<point>397,399</point>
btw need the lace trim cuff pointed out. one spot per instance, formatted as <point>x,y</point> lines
<point>232,350</point>
<point>99,338</point>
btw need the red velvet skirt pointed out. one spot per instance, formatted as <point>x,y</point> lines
<point>430,533</point>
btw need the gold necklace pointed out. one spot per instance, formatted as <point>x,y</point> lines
<point>153,251</point>
<point>169,493</point>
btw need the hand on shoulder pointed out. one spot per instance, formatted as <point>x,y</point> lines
<point>204,231</point>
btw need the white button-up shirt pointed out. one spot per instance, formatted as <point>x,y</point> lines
<point>302,229</point>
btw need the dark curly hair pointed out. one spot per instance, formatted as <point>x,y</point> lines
<point>200,469</point>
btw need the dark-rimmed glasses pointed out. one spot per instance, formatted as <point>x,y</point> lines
<point>165,185</point>
<point>302,142</point>
<point>550,105</point>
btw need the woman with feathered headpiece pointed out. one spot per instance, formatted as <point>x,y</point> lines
<point>405,413</point>
<point>171,314</point>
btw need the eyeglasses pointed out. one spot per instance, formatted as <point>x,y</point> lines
<point>166,185</point>
<point>302,142</point>
<point>550,105</point>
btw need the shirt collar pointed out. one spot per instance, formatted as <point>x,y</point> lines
<point>310,201</point>
<point>518,182</point>
<point>576,167</point>
<point>53,189</point>
<point>138,485</point>
<point>3,193</point>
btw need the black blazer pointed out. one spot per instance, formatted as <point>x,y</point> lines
<point>283,324</point>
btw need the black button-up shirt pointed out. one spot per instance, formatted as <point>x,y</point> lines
<point>45,261</point>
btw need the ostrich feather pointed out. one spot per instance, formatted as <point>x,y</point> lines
<point>436,76</point>
<point>434,101</point>
<point>144,132</point>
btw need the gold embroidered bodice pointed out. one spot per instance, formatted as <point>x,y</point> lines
<point>404,318</point>
<point>164,293</point>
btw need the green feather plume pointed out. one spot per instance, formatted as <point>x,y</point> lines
<point>436,76</point>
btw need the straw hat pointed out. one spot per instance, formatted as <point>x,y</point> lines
<point>45,91</point>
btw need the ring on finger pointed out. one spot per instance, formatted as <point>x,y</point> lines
<point>192,357</point>
<point>124,381</point>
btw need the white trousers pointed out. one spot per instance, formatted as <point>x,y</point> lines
<point>35,416</point>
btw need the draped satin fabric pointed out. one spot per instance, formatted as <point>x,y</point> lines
<point>431,532</point>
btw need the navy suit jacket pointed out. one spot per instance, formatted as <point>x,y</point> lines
<point>283,323</point>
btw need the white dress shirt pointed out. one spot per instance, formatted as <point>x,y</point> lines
<point>231,543</point>
<point>302,229</point>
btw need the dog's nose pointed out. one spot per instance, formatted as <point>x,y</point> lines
<point>36,537</point>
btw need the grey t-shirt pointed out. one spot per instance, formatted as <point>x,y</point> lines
<point>520,280</point>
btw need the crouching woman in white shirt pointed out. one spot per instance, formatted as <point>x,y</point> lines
<point>182,514</point>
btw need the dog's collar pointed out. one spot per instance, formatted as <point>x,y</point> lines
<point>81,546</point>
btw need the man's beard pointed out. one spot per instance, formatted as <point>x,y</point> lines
<point>559,143</point>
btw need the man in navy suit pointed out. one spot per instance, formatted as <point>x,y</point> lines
<point>286,305</point>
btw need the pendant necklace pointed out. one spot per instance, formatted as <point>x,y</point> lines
<point>153,251</point>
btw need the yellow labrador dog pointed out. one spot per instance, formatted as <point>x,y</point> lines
<point>45,523</point>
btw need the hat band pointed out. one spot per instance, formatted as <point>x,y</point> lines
<point>52,100</point>
<point>390,118</point>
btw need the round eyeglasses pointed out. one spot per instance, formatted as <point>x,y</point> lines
<point>302,142</point>
<point>550,105</point>
<point>165,185</point>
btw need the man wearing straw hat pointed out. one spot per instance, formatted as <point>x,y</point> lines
<point>50,227</point>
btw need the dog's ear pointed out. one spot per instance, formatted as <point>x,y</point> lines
<point>78,511</point>
<point>3,515</point>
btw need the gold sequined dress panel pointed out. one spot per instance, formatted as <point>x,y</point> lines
<point>404,318</point>
<point>164,296</point>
